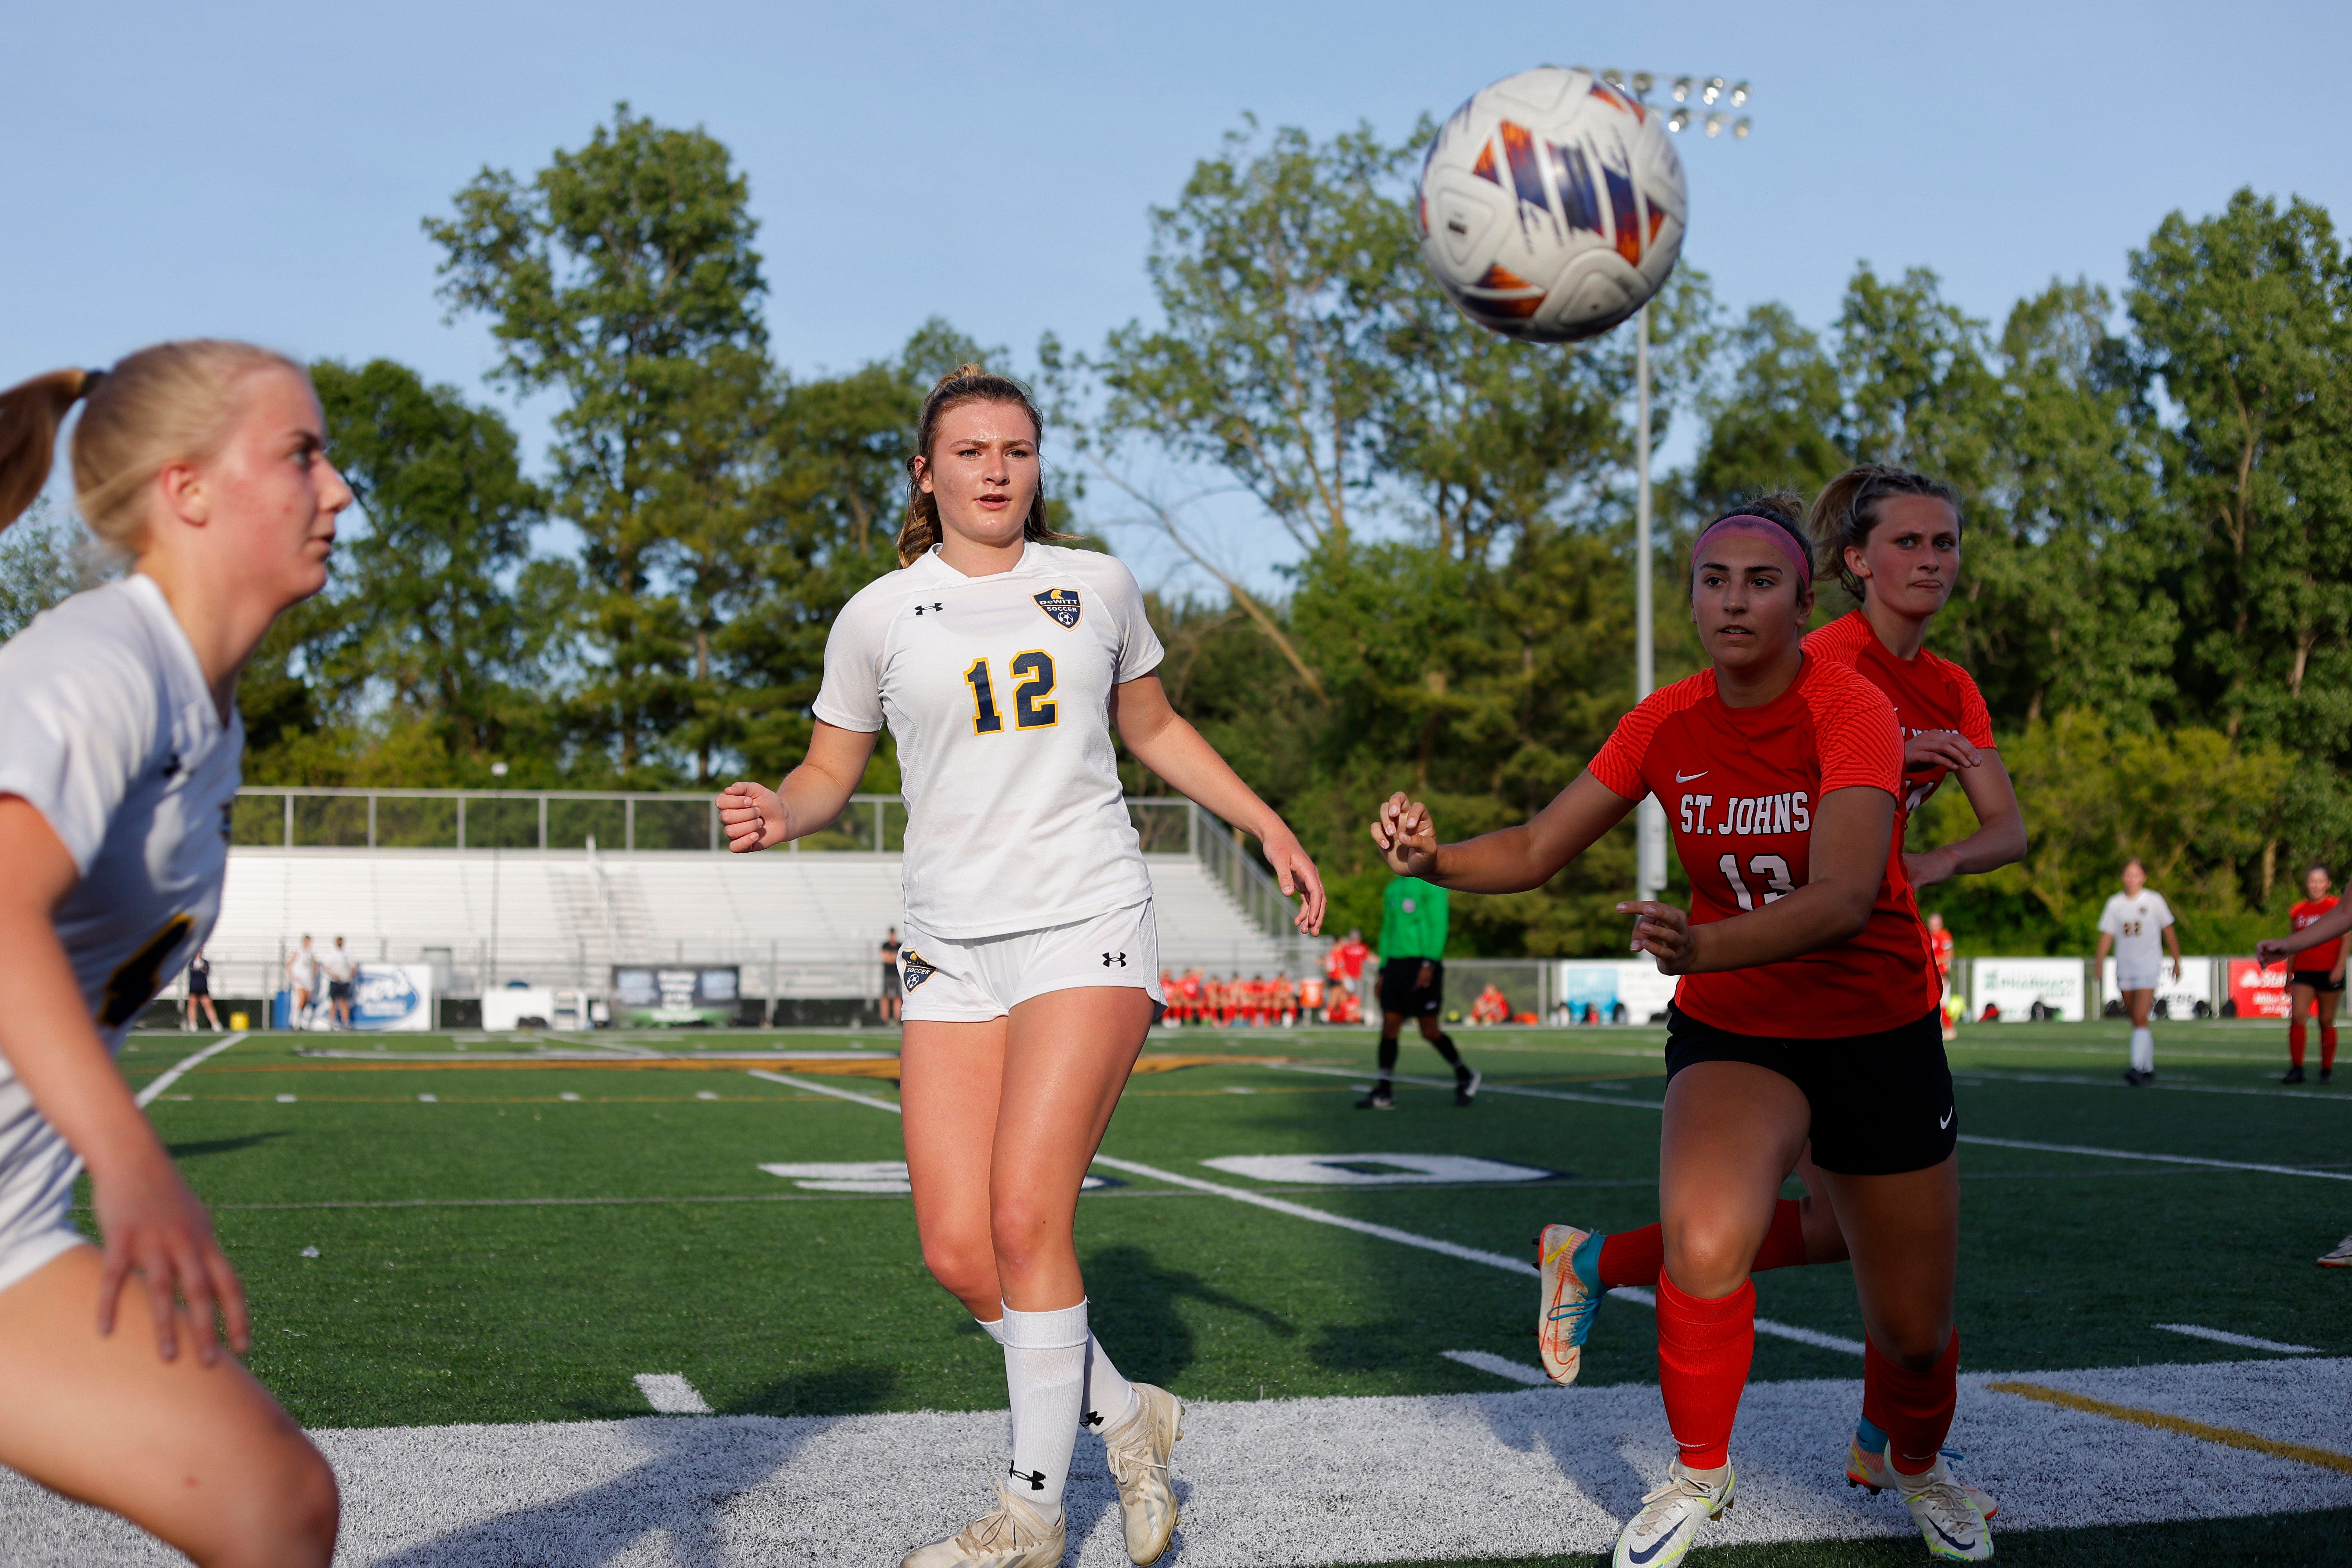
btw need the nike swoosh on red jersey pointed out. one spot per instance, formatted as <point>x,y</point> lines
<point>1681,777</point>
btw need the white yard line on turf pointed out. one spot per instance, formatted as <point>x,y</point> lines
<point>2166,1159</point>
<point>2002,1075</point>
<point>2245,1341</point>
<point>1494,1365</point>
<point>171,1076</point>
<point>1489,1087</point>
<point>815,1087</point>
<point>670,1394</point>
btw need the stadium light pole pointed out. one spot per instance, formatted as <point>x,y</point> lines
<point>1650,817</point>
<point>499,773</point>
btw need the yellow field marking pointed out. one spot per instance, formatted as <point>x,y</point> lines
<point>2229,1437</point>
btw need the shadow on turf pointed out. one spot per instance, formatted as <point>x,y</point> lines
<point>1131,1303</point>
<point>2264,1539</point>
<point>693,1471</point>
<point>220,1146</point>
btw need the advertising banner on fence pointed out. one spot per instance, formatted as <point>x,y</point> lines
<point>1587,988</point>
<point>2015,984</point>
<point>393,997</point>
<point>655,995</point>
<point>2190,996</point>
<point>2256,992</point>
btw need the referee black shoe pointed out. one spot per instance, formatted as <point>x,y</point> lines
<point>2135,1078</point>
<point>1466,1087</point>
<point>2292,1074</point>
<point>1379,1100</point>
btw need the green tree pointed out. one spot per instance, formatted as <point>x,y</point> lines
<point>624,276</point>
<point>444,518</point>
<point>44,558</point>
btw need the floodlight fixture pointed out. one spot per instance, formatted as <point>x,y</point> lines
<point>1740,128</point>
<point>1714,126</point>
<point>1642,82</point>
<point>1678,119</point>
<point>1714,89</point>
<point>1682,88</point>
<point>1739,95</point>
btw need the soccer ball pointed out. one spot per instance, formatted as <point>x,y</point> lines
<point>1551,205</point>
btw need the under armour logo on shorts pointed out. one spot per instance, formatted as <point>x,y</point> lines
<point>1111,958</point>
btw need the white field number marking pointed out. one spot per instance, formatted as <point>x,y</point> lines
<point>670,1394</point>
<point>1387,1170</point>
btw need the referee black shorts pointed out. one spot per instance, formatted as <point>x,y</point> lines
<point>1402,992</point>
<point>1882,1103</point>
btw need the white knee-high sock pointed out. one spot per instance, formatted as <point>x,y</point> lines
<point>1110,1398</point>
<point>1045,1372</point>
<point>2143,1050</point>
<point>995,1330</point>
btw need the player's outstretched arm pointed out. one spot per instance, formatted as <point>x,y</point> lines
<point>2326,928</point>
<point>1852,830</point>
<point>1510,860</point>
<point>1164,741</point>
<point>1999,838</point>
<point>154,1227</point>
<point>757,817</point>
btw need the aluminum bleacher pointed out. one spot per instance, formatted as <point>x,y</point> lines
<point>799,924</point>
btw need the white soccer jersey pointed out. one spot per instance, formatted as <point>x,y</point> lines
<point>998,691</point>
<point>2137,926</point>
<point>112,737</point>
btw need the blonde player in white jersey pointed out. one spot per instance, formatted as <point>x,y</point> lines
<point>204,462</point>
<point>2137,923</point>
<point>1001,663</point>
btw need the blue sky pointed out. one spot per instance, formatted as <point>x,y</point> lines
<point>260,171</point>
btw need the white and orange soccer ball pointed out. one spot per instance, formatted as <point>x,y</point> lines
<point>1551,205</point>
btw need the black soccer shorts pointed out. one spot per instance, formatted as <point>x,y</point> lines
<point>1882,1103</point>
<point>1400,990</point>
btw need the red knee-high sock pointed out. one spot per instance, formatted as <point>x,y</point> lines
<point>2327,1047</point>
<point>1638,1257</point>
<point>1703,1350</point>
<point>2295,1043</point>
<point>1913,1408</point>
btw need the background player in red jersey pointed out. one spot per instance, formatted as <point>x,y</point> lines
<point>1781,776</point>
<point>1939,949</point>
<point>2318,983</point>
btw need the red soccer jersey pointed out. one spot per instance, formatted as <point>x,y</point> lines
<point>1739,786</point>
<point>1939,943</point>
<point>2324,956</point>
<point>1928,693</point>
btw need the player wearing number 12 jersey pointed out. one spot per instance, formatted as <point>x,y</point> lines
<point>1808,1010</point>
<point>999,661</point>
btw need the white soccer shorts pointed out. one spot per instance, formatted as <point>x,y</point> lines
<point>2137,979</point>
<point>980,978</point>
<point>36,1183</point>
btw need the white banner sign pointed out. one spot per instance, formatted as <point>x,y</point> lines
<point>1603,986</point>
<point>505,1008</point>
<point>393,997</point>
<point>2015,984</point>
<point>2180,998</point>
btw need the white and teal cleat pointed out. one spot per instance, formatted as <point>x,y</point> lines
<point>1659,1535</point>
<point>1569,1260</point>
<point>1953,1527</point>
<point>1866,1467</point>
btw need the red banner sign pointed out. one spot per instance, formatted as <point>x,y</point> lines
<point>2259,993</point>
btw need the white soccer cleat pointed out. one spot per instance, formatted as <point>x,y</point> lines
<point>1659,1535</point>
<point>2341,1258</point>
<point>1015,1534</point>
<point>1136,1450</point>
<point>1565,1309</point>
<point>1864,1469</point>
<point>1953,1527</point>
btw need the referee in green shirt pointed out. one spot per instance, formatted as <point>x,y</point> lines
<point>1413,984</point>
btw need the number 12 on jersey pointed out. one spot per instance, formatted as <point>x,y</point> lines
<point>1770,870</point>
<point>1030,709</point>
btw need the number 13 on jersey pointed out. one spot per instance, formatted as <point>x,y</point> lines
<point>1030,709</point>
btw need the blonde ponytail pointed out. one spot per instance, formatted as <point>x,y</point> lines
<point>30,415</point>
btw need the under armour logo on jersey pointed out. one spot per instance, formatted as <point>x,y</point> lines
<point>1091,1418</point>
<point>913,970</point>
<point>1062,604</point>
<point>1036,1478</point>
<point>934,607</point>
<point>1114,958</point>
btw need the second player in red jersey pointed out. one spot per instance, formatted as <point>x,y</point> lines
<point>2317,985</point>
<point>1806,1012</point>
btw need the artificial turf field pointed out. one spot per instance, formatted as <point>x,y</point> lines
<point>442,1232</point>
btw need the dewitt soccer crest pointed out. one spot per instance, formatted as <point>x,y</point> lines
<point>913,970</point>
<point>1062,604</point>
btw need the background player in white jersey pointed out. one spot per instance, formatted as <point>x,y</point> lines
<point>206,462</point>
<point>1001,663</point>
<point>2137,923</point>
